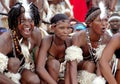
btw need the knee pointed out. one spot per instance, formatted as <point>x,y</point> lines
<point>34,79</point>
<point>53,65</point>
<point>29,77</point>
<point>89,66</point>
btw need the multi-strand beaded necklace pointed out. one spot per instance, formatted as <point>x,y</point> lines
<point>92,50</point>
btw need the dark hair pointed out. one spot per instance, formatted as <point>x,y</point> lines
<point>58,17</point>
<point>35,12</point>
<point>91,10</point>
<point>16,11</point>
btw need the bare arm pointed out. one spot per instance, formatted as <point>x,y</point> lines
<point>68,4</point>
<point>73,72</point>
<point>36,35</point>
<point>73,62</point>
<point>41,61</point>
<point>113,4</point>
<point>106,57</point>
<point>39,4</point>
<point>3,4</point>
<point>5,48</point>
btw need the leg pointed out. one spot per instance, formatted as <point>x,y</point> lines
<point>87,65</point>
<point>67,74</point>
<point>53,67</point>
<point>28,77</point>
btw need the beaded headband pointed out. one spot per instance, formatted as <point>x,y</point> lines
<point>92,16</point>
<point>100,11</point>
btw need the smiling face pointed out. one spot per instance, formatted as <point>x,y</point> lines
<point>25,25</point>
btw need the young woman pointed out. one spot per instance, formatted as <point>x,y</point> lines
<point>17,43</point>
<point>87,47</point>
<point>52,50</point>
<point>112,48</point>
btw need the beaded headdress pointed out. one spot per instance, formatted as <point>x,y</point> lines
<point>101,10</point>
<point>26,6</point>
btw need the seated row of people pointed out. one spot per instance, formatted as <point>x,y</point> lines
<point>75,58</point>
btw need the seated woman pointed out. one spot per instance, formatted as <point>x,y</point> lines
<point>112,47</point>
<point>87,47</point>
<point>52,50</point>
<point>17,43</point>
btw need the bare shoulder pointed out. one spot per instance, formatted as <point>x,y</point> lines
<point>115,41</point>
<point>46,41</point>
<point>69,41</point>
<point>36,36</point>
<point>116,37</point>
<point>5,37</point>
<point>5,42</point>
<point>79,34</point>
<point>106,38</point>
<point>36,32</point>
<point>79,38</point>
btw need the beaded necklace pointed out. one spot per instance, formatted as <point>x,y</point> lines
<point>17,49</point>
<point>92,50</point>
<point>15,44</point>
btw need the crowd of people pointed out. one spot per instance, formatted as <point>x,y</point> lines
<point>46,42</point>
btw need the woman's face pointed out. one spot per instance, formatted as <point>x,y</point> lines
<point>99,25</point>
<point>62,29</point>
<point>25,25</point>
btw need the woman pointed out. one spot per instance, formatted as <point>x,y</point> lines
<point>18,42</point>
<point>87,47</point>
<point>112,47</point>
<point>52,50</point>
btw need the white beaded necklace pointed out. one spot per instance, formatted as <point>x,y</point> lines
<point>92,50</point>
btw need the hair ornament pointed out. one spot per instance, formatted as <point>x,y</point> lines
<point>103,10</point>
<point>27,8</point>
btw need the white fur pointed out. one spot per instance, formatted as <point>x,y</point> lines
<point>14,77</point>
<point>73,53</point>
<point>99,51</point>
<point>85,77</point>
<point>26,53</point>
<point>99,80</point>
<point>62,69</point>
<point>27,9</point>
<point>3,62</point>
<point>103,10</point>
